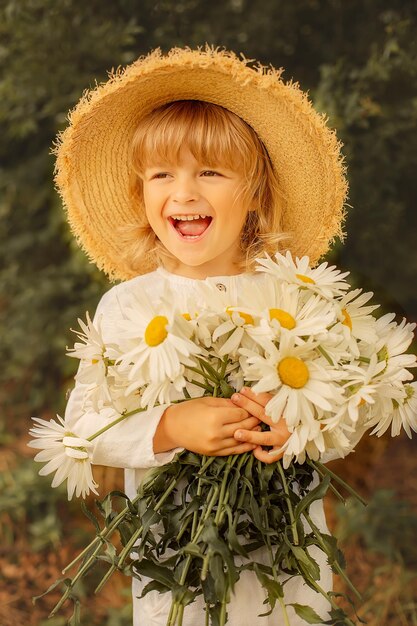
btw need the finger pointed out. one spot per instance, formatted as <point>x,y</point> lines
<point>265,457</point>
<point>230,442</point>
<point>247,424</point>
<point>264,438</point>
<point>217,402</point>
<point>234,414</point>
<point>236,449</point>
<point>252,407</point>
<point>260,398</point>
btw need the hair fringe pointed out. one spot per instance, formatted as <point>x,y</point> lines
<point>262,231</point>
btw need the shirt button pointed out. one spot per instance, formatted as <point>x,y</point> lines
<point>221,287</point>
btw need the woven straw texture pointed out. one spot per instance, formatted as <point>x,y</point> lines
<point>92,172</point>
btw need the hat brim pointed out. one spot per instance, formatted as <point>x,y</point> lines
<point>92,168</point>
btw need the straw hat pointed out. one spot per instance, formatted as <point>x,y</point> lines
<point>92,172</point>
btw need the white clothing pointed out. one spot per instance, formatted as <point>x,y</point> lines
<point>129,445</point>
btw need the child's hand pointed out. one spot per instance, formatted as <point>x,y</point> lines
<point>204,425</point>
<point>255,403</point>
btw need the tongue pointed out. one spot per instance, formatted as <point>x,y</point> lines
<point>193,227</point>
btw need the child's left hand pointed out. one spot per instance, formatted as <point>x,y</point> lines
<point>278,434</point>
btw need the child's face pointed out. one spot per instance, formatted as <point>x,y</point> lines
<point>209,245</point>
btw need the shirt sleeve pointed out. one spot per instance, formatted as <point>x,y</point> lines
<point>128,444</point>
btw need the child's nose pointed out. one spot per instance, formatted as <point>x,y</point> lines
<point>185,190</point>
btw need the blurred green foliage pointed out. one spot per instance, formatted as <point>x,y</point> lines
<point>359,61</point>
<point>386,525</point>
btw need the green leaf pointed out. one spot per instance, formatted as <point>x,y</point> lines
<point>75,619</point>
<point>154,585</point>
<point>307,613</point>
<point>160,573</point>
<point>64,581</point>
<point>317,493</point>
<point>307,563</point>
<point>217,572</point>
<point>90,516</point>
<point>193,549</point>
<point>226,389</point>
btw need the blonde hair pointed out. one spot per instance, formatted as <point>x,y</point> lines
<point>215,137</point>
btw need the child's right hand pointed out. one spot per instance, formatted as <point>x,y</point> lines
<point>204,425</point>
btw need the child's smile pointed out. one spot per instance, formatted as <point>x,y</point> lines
<point>197,212</point>
<point>191,226</point>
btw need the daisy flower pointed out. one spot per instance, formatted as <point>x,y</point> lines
<point>233,322</point>
<point>405,414</point>
<point>402,413</point>
<point>159,342</point>
<point>279,305</point>
<point>301,381</point>
<point>313,442</point>
<point>202,322</point>
<point>94,362</point>
<point>361,386</point>
<point>163,392</point>
<point>326,281</point>
<point>394,339</point>
<point>64,453</point>
<point>357,318</point>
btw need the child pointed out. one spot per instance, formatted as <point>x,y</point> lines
<point>187,167</point>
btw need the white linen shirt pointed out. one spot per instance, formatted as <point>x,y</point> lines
<point>129,445</point>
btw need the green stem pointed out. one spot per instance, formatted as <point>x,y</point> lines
<point>121,418</point>
<point>244,486</point>
<point>206,462</point>
<point>272,560</point>
<point>229,464</point>
<point>325,354</point>
<point>284,611</point>
<point>175,606</point>
<point>107,530</point>
<point>98,542</point>
<point>331,486</point>
<point>290,509</point>
<point>202,385</point>
<point>333,604</point>
<point>114,422</point>
<point>126,550</point>
<point>332,562</point>
<point>319,466</point>
<point>222,619</point>
<point>202,373</point>
<point>224,367</point>
<point>130,544</point>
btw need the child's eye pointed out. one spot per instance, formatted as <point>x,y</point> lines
<point>210,173</point>
<point>160,175</point>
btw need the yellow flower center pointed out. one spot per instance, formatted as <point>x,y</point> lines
<point>305,279</point>
<point>245,316</point>
<point>156,331</point>
<point>94,361</point>
<point>285,319</point>
<point>409,391</point>
<point>347,320</point>
<point>293,372</point>
<point>186,316</point>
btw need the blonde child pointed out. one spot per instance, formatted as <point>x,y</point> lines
<point>182,169</point>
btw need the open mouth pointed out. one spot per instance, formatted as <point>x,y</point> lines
<point>190,226</point>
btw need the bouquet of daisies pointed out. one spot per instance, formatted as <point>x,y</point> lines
<point>334,372</point>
